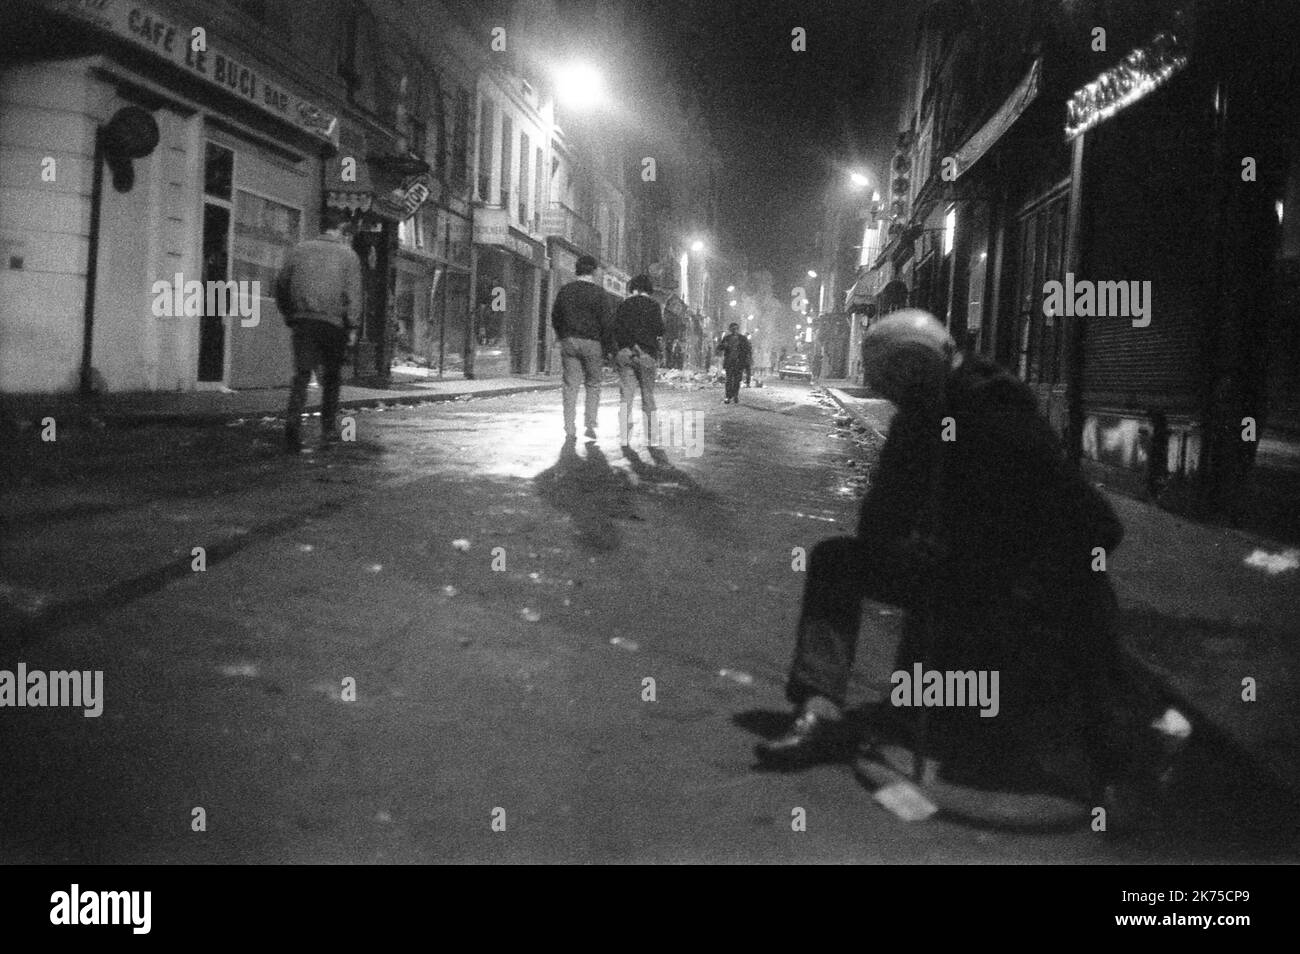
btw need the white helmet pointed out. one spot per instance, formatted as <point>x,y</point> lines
<point>906,349</point>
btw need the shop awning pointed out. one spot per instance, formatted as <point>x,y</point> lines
<point>1002,120</point>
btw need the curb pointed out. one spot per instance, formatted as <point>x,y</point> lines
<point>120,419</point>
<point>1203,726</point>
<point>854,412</point>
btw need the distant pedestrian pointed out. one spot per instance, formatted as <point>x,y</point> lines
<point>637,326</point>
<point>736,358</point>
<point>320,294</point>
<point>581,322</point>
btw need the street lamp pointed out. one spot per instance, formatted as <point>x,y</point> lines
<point>697,246</point>
<point>731,288</point>
<point>578,86</point>
<point>732,303</point>
<point>811,273</point>
<point>858,180</point>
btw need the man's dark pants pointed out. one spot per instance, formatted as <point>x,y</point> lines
<point>317,346</point>
<point>837,581</point>
<point>1108,708</point>
<point>733,383</point>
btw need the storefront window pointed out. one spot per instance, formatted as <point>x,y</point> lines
<point>218,174</point>
<point>1040,336</point>
<point>218,171</point>
<point>265,231</point>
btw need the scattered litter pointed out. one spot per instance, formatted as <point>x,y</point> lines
<point>462,545</point>
<point>383,817</point>
<point>567,601</point>
<point>906,801</point>
<point>374,568</point>
<point>534,576</point>
<point>531,615</point>
<point>1274,563</point>
<point>449,590</point>
<point>736,675</point>
<point>631,645</point>
<point>238,669</point>
<point>464,640</point>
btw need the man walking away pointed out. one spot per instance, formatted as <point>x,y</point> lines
<point>735,350</point>
<point>638,325</point>
<point>581,324</point>
<point>319,294</point>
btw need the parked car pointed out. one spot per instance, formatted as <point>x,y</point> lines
<point>794,366</point>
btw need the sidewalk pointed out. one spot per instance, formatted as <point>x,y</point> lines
<point>198,408</point>
<point>1204,608</point>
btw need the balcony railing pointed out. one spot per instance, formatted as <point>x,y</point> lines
<point>562,222</point>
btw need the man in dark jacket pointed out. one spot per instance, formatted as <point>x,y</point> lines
<point>736,357</point>
<point>581,322</point>
<point>976,525</point>
<point>638,325</point>
<point>319,293</point>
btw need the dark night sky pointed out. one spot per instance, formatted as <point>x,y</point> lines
<point>780,118</point>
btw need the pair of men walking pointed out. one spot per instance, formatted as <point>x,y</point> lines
<point>587,333</point>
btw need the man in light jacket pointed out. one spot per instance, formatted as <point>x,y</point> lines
<point>320,296</point>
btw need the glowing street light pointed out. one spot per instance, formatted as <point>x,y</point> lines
<point>731,288</point>
<point>858,180</point>
<point>578,86</point>
<point>697,246</point>
<point>732,303</point>
<point>811,273</point>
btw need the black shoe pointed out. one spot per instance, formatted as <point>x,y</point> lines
<point>812,740</point>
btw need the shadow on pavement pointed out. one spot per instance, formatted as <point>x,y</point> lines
<point>591,492</point>
<point>660,470</point>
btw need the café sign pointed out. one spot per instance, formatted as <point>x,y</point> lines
<point>171,41</point>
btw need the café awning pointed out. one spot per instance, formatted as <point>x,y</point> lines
<point>1002,120</point>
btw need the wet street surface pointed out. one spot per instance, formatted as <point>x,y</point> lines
<point>455,621</point>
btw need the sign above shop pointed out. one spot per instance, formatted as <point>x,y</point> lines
<point>492,227</point>
<point>171,41</point>
<point>1142,71</point>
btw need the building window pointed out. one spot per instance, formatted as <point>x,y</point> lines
<point>524,178</point>
<point>485,124</point>
<point>460,138</point>
<point>949,229</point>
<point>507,147</point>
<point>218,174</point>
<point>539,190</point>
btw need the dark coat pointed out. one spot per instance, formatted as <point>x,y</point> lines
<point>638,320</point>
<point>580,311</point>
<point>736,351</point>
<point>1008,583</point>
